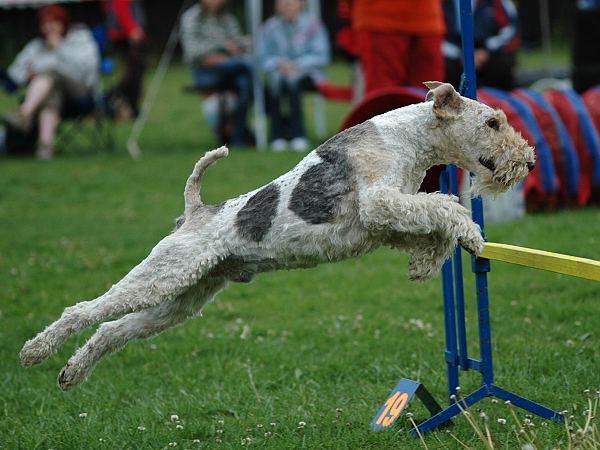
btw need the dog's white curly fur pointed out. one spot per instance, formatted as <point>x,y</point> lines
<point>354,193</point>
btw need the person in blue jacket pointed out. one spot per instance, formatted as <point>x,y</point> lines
<point>496,36</point>
<point>293,52</point>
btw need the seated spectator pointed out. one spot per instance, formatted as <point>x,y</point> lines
<point>496,40</point>
<point>214,48</point>
<point>59,67</point>
<point>293,51</point>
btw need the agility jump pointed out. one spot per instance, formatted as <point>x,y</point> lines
<point>456,352</point>
<point>540,259</point>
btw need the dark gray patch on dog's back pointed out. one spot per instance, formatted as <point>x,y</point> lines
<point>254,220</point>
<point>319,192</point>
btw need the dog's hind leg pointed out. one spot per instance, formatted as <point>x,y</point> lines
<point>172,267</point>
<point>112,336</point>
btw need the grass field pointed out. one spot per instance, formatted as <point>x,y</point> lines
<point>299,359</point>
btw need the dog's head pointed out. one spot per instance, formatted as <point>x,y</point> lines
<point>483,142</point>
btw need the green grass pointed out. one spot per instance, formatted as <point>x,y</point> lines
<point>323,346</point>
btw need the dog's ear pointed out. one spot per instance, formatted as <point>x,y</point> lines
<point>447,103</point>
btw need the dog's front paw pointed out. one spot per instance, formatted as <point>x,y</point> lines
<point>472,242</point>
<point>35,351</point>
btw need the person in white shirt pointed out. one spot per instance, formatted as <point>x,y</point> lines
<point>60,66</point>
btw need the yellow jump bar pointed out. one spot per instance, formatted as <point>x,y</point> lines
<point>539,259</point>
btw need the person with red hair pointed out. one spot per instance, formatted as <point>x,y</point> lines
<point>59,66</point>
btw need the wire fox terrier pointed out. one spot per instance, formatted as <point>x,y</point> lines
<point>352,194</point>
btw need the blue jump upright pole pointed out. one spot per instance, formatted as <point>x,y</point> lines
<point>456,354</point>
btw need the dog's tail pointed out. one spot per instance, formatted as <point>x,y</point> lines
<point>191,194</point>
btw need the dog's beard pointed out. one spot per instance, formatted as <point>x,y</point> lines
<point>494,183</point>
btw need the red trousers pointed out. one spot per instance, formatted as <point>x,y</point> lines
<point>398,59</point>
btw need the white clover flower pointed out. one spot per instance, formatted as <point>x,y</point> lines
<point>172,444</point>
<point>246,331</point>
<point>141,428</point>
<point>179,427</point>
<point>501,421</point>
<point>174,418</point>
<point>83,415</point>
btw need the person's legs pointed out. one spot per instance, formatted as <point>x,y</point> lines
<point>130,85</point>
<point>426,62</point>
<point>276,91</point>
<point>205,78</point>
<point>384,59</point>
<point>243,88</point>
<point>63,90</point>
<point>49,119</point>
<point>235,74</point>
<point>37,91</point>
<point>293,87</point>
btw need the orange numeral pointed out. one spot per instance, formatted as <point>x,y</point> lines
<point>393,406</point>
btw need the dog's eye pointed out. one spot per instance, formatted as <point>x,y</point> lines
<point>493,123</point>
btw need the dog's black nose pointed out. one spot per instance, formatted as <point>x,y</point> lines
<point>530,166</point>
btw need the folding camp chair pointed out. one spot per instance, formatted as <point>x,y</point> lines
<point>86,125</point>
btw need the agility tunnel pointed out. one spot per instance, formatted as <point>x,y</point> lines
<point>563,126</point>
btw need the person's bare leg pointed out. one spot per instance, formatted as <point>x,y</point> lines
<point>38,90</point>
<point>49,119</point>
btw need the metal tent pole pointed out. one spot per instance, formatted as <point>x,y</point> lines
<point>254,12</point>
